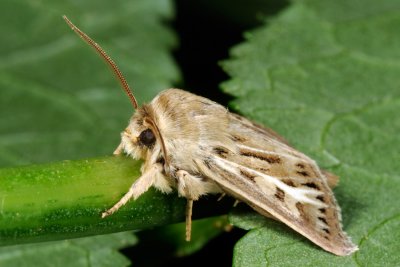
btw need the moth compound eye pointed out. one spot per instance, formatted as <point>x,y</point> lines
<point>147,138</point>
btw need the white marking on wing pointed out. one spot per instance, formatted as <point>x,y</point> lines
<point>299,194</point>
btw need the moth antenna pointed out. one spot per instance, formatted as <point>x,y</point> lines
<point>107,58</point>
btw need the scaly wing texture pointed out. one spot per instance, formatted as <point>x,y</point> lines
<point>251,163</point>
<point>277,180</point>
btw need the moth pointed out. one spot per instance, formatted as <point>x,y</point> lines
<point>197,147</point>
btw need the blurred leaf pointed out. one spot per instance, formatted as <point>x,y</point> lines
<point>325,74</point>
<point>58,99</point>
<point>97,251</point>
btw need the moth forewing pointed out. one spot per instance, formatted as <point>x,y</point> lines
<point>277,180</point>
<point>196,146</point>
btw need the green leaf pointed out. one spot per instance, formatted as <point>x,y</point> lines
<point>93,251</point>
<point>325,75</point>
<point>58,99</point>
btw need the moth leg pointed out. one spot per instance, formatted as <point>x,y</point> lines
<point>192,187</point>
<point>189,208</point>
<point>119,150</point>
<point>189,186</point>
<point>221,197</point>
<point>139,187</point>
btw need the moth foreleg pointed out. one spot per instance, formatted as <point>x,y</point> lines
<point>139,187</point>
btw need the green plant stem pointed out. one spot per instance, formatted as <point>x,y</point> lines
<point>65,200</point>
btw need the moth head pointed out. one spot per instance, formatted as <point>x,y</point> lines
<point>142,133</point>
<point>140,136</point>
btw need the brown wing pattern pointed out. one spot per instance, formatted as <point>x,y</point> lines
<point>277,180</point>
